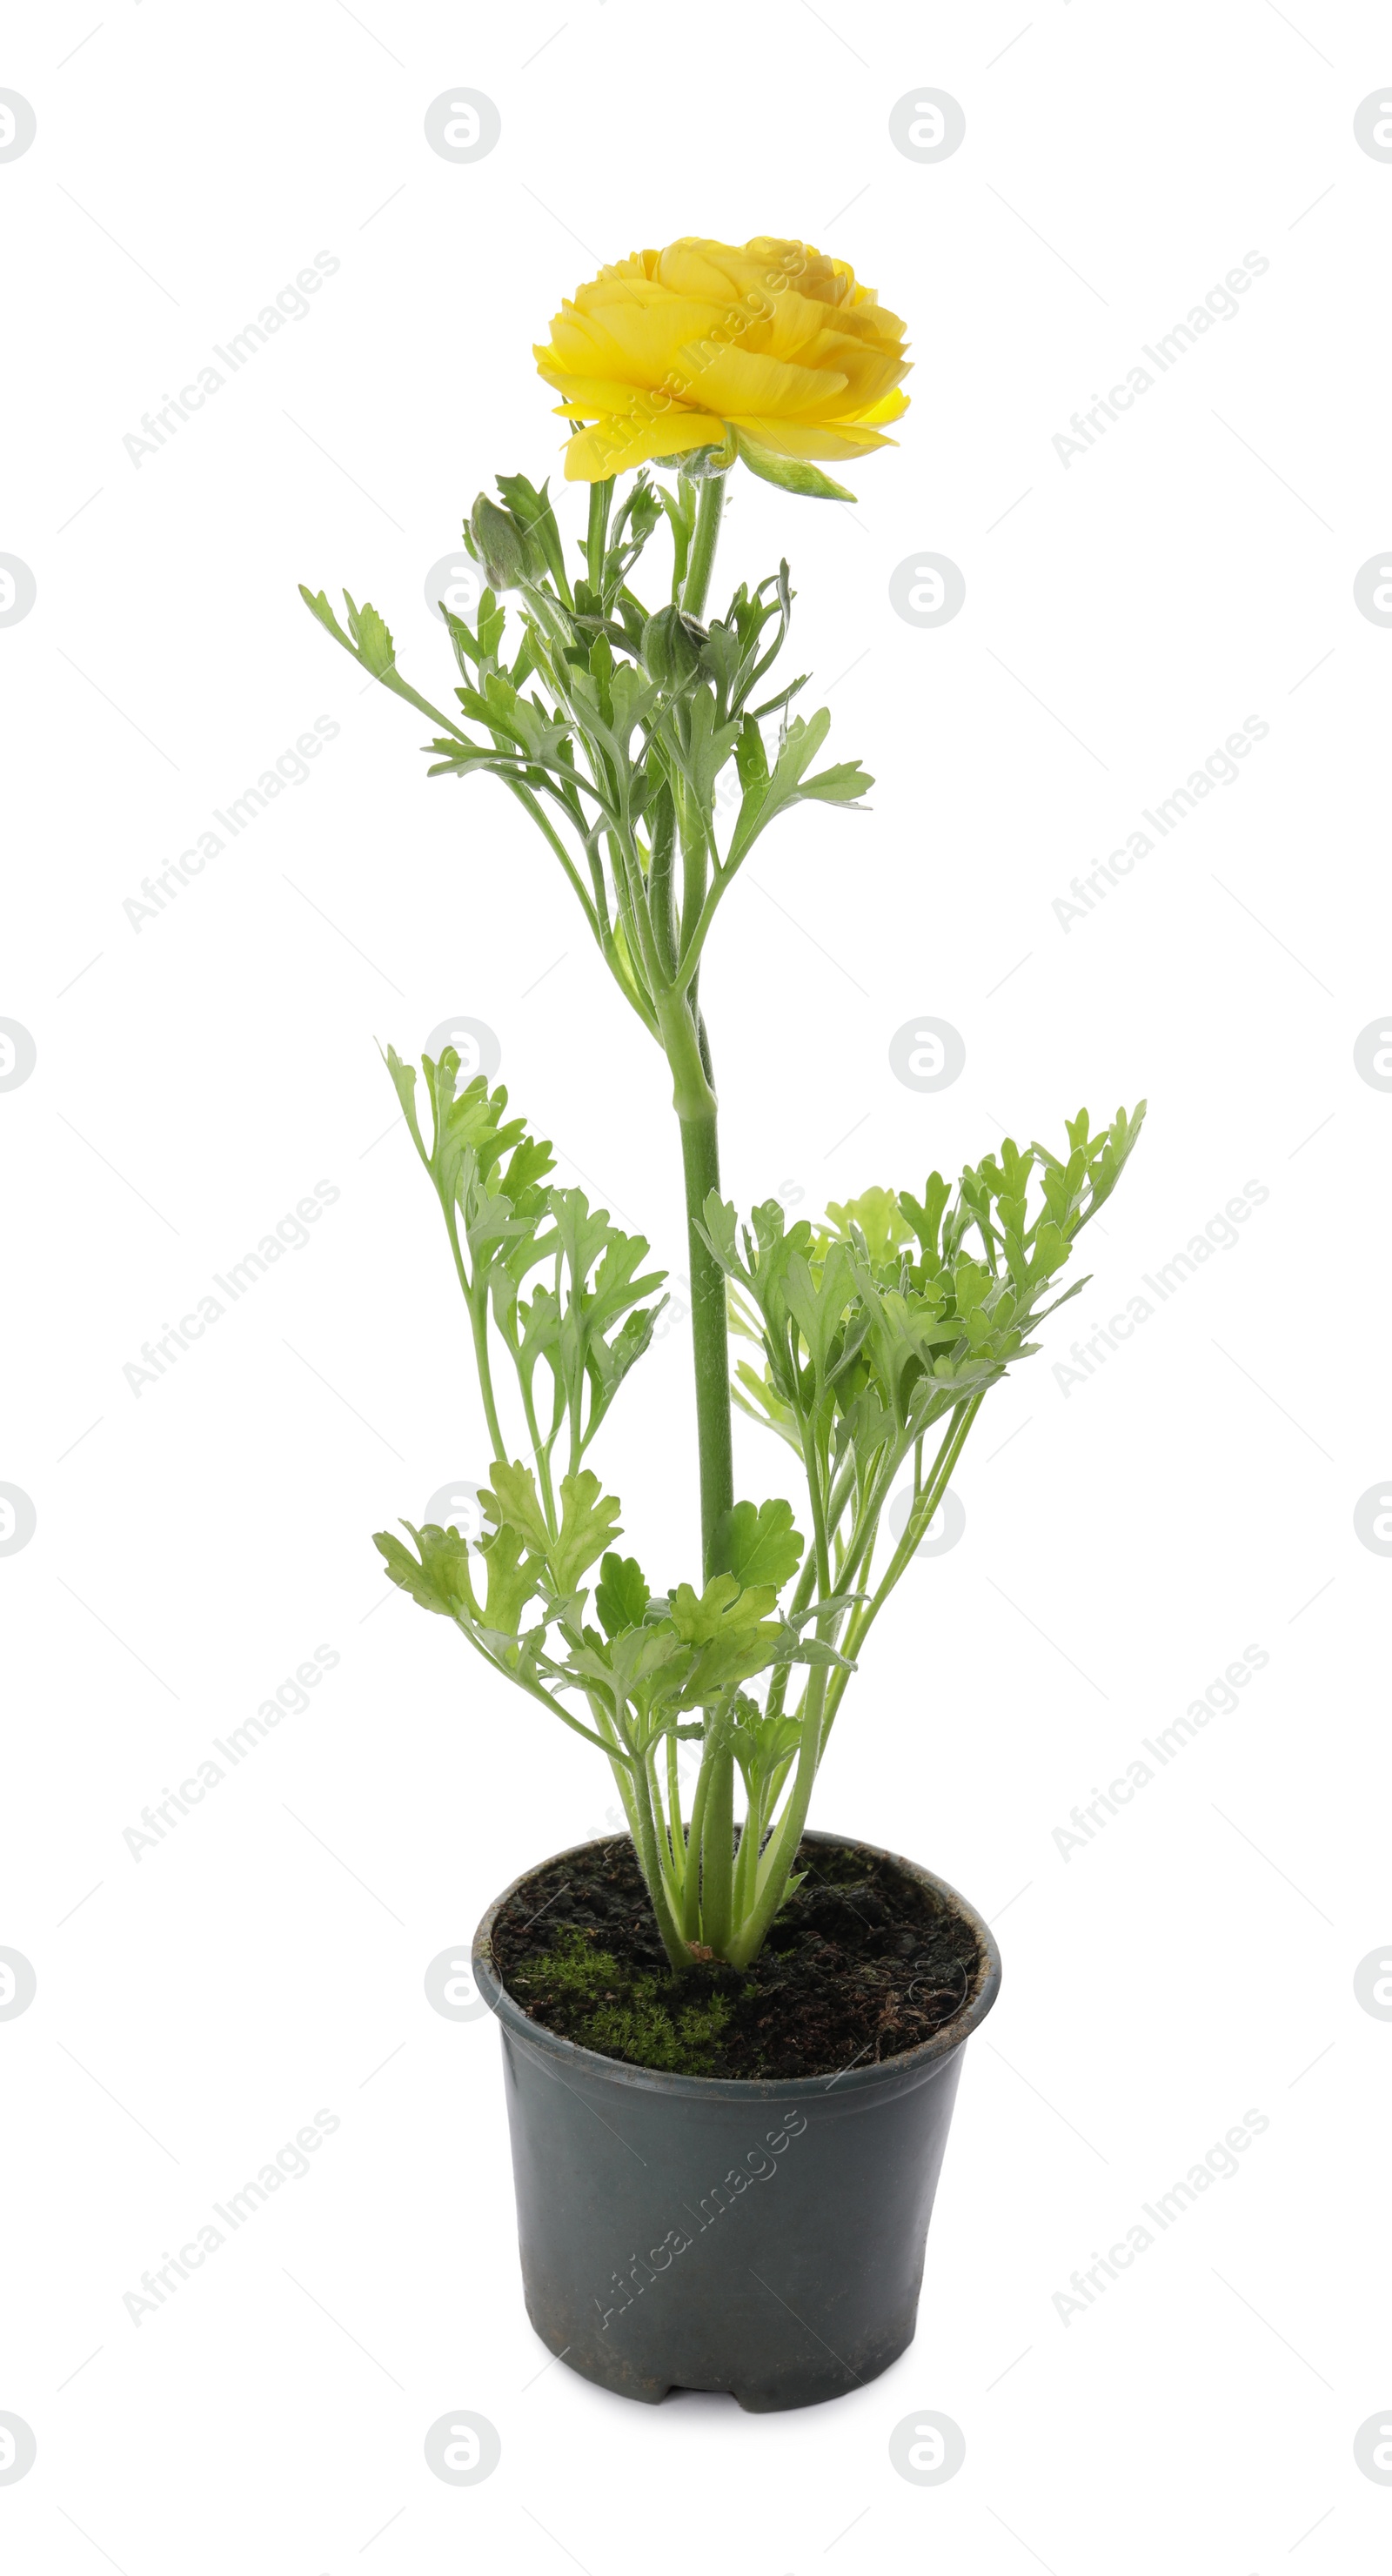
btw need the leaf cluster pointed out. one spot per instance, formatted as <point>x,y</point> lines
<point>893,1318</point>
<point>642,1660</point>
<point>562,1289</point>
<point>614,741</point>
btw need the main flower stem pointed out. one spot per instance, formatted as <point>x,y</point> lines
<point>709,1337</point>
<point>701,560</point>
<point>694,1099</point>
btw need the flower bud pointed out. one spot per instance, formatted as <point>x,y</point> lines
<point>502,545</point>
<point>700,464</point>
<point>671,648</point>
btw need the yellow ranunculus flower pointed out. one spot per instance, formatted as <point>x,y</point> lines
<point>773,351</point>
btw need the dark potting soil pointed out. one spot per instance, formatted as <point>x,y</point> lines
<point>862,1962</point>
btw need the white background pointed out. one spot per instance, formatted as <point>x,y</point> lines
<point>197,1074</point>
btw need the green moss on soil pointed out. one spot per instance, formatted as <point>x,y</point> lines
<point>639,2017</point>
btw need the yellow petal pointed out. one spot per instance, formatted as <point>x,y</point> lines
<point>812,439</point>
<point>893,407</point>
<point>737,381</point>
<point>620,441</point>
<point>630,336</point>
<point>590,394</point>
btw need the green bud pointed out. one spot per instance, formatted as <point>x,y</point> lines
<point>671,648</point>
<point>700,464</point>
<point>502,545</point>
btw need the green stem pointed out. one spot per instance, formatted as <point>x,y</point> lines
<point>665,1855</point>
<point>676,1833</point>
<point>696,1106</point>
<point>718,1845</point>
<point>804,1588</point>
<point>750,1838</point>
<point>619,1763</point>
<point>601,496</point>
<point>542,1454</point>
<point>696,908</point>
<point>809,1429</point>
<point>672,1941</point>
<point>478,1326</point>
<point>709,1335</point>
<point>700,562</point>
<point>662,832</point>
<point>691,1889</point>
<point>926,1504</point>
<point>776,1865</point>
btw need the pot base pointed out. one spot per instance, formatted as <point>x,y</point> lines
<point>772,2395</point>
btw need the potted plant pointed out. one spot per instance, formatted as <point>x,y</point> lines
<point>730,2044</point>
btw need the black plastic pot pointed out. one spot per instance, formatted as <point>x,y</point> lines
<point>691,2231</point>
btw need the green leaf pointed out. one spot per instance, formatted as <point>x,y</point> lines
<point>531,1161</point>
<point>723,1607</point>
<point>588,1523</point>
<point>438,1576</point>
<point>707,744</point>
<point>792,1649</point>
<point>622,1595</point>
<point>480,649</point>
<point>776,704</point>
<point>316,601</point>
<point>818,1305</point>
<point>459,756</point>
<point>757,1546</point>
<point>404,1080</point>
<point>591,1339</point>
<point>838,786</point>
<point>514,1503</point>
<point>766,797</point>
<point>372,636</point>
<point>468,1137</point>
<point>632,697</point>
<point>514,1579</point>
<point>877,1215</point>
<point>720,1230</point>
<point>491,621</point>
<point>758,1397</point>
<point>762,1745</point>
<point>751,759</point>
<point>538,520</point>
<point>790,473</point>
<point>630,1667</point>
<point>609,1362</point>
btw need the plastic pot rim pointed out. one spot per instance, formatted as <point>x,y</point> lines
<point>857,2085</point>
